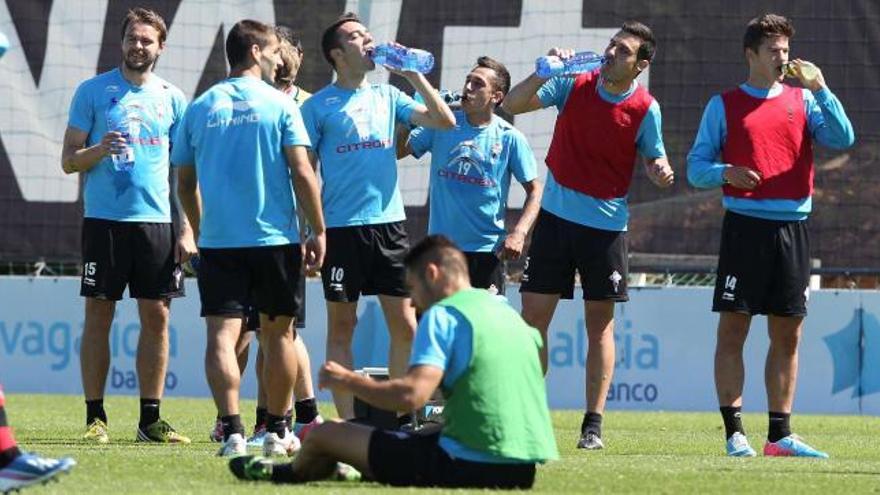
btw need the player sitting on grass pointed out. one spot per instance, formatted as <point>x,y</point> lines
<point>482,355</point>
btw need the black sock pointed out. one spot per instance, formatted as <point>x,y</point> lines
<point>780,427</point>
<point>261,417</point>
<point>732,417</point>
<point>8,455</point>
<point>149,412</point>
<point>306,410</point>
<point>95,410</point>
<point>592,422</point>
<point>288,419</point>
<point>231,424</point>
<point>276,424</point>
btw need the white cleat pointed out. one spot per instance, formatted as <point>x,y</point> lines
<point>235,445</point>
<point>275,445</point>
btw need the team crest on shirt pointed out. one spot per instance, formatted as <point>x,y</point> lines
<point>496,150</point>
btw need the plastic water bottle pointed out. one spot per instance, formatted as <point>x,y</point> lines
<point>808,69</point>
<point>118,120</point>
<point>550,65</point>
<point>449,96</point>
<point>402,58</point>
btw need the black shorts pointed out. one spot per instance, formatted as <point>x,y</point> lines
<point>560,247</point>
<point>763,267</point>
<point>405,459</point>
<point>365,259</point>
<point>486,271</point>
<point>252,316</point>
<point>230,279</point>
<point>137,254</point>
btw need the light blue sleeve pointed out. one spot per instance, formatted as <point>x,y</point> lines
<point>403,105</point>
<point>649,137</point>
<point>522,161</point>
<point>182,153</point>
<point>178,105</point>
<point>311,122</point>
<point>421,140</point>
<point>82,110</point>
<point>434,339</point>
<point>555,92</point>
<point>827,119</point>
<point>703,168</point>
<point>293,130</point>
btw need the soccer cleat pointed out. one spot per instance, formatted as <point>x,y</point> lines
<point>792,446</point>
<point>301,430</point>
<point>29,469</point>
<point>590,441</point>
<point>234,446</point>
<point>259,436</point>
<point>738,446</point>
<point>251,468</point>
<point>345,472</point>
<point>160,432</point>
<point>275,445</point>
<point>96,432</point>
<point>216,434</point>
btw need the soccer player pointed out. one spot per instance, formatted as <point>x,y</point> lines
<point>128,234</point>
<point>20,469</point>
<point>239,147</point>
<point>756,142</point>
<point>351,125</point>
<point>481,354</point>
<point>605,120</point>
<point>471,167</point>
<point>305,406</point>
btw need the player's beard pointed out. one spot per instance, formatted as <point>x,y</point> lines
<point>143,65</point>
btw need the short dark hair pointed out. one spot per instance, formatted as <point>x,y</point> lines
<point>648,46</point>
<point>330,40</point>
<point>439,250</point>
<point>501,81</point>
<point>766,26</point>
<point>243,35</point>
<point>139,15</point>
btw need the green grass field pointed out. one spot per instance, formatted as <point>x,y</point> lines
<point>655,452</point>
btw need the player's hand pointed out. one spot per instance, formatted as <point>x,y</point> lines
<point>186,247</point>
<point>742,177</point>
<point>513,246</point>
<point>313,257</point>
<point>112,143</point>
<point>562,53</point>
<point>332,375</point>
<point>811,79</point>
<point>661,174</point>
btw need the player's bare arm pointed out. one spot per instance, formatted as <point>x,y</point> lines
<point>436,114</point>
<point>515,240</point>
<point>308,195</point>
<point>523,97</point>
<point>77,157</point>
<point>188,193</point>
<point>186,243</point>
<point>400,394</point>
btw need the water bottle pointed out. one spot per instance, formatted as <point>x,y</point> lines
<point>4,44</point>
<point>118,120</point>
<point>550,65</point>
<point>402,58</point>
<point>808,69</point>
<point>449,96</point>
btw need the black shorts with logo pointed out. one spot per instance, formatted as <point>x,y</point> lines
<point>486,271</point>
<point>405,459</point>
<point>137,254</point>
<point>763,266</point>
<point>365,259</point>
<point>252,316</point>
<point>231,279</point>
<point>559,247</point>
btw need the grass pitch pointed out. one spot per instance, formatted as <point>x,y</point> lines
<point>653,452</point>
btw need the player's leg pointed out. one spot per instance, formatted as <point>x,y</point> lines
<point>156,278</point>
<point>105,273</point>
<point>400,315</point>
<point>787,308</point>
<point>733,328</point>
<point>305,405</point>
<point>600,369</point>
<point>341,320</point>
<point>548,275</point>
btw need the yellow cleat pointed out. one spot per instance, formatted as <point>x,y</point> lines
<point>96,432</point>
<point>161,432</point>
